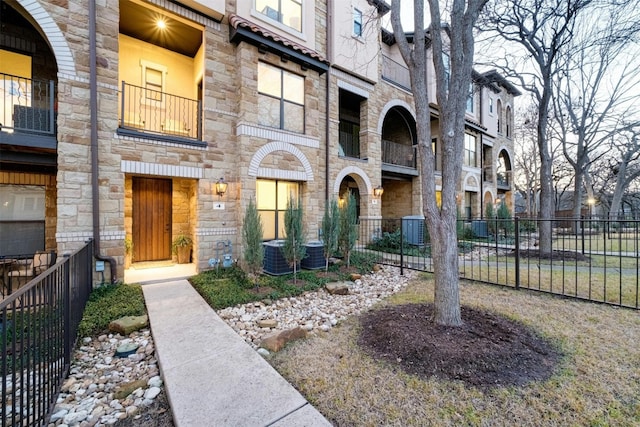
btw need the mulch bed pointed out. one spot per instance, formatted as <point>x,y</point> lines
<point>487,351</point>
<point>553,255</point>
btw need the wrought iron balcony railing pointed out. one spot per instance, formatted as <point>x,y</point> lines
<point>503,179</point>
<point>349,139</point>
<point>152,111</point>
<point>27,105</point>
<point>394,153</point>
<point>396,73</point>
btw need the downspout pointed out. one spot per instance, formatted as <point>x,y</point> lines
<point>481,155</point>
<point>327,103</point>
<point>93,109</point>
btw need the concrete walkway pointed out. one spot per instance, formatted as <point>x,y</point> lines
<point>212,377</point>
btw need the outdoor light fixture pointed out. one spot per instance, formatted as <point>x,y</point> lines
<point>221,187</point>
<point>377,192</point>
<point>161,24</point>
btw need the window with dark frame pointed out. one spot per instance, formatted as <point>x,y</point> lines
<point>272,197</point>
<point>469,150</point>
<point>280,98</point>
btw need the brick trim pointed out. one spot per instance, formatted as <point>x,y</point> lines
<point>55,37</point>
<point>352,170</point>
<point>265,150</point>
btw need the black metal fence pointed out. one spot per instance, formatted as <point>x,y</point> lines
<point>590,259</point>
<point>38,329</point>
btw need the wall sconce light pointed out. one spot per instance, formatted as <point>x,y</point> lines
<point>341,202</point>
<point>221,187</point>
<point>377,192</point>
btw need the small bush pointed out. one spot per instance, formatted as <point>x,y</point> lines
<point>527,225</point>
<point>364,261</point>
<point>108,303</point>
<point>388,242</point>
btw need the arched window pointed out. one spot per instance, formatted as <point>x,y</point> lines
<point>503,169</point>
<point>507,122</point>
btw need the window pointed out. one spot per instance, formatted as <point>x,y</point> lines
<point>287,12</point>
<point>447,69</point>
<point>490,105</point>
<point>469,204</point>
<point>499,114</point>
<point>153,81</point>
<point>507,121</point>
<point>470,99</point>
<point>357,23</point>
<point>349,126</point>
<point>280,98</point>
<point>469,150</point>
<point>271,200</point>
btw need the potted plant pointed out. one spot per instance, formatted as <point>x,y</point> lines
<point>182,248</point>
<point>128,252</point>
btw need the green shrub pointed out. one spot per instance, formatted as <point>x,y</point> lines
<point>108,303</point>
<point>364,261</point>
<point>388,242</point>
<point>228,287</point>
<point>527,225</point>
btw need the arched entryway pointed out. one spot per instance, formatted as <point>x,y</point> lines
<point>399,174</point>
<point>504,177</point>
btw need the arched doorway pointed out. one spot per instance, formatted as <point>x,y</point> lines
<point>350,186</point>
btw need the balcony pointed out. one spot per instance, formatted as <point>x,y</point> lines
<point>487,173</point>
<point>396,73</point>
<point>27,112</point>
<point>349,139</point>
<point>398,157</point>
<point>165,116</point>
<point>503,180</point>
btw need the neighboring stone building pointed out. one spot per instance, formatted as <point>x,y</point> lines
<point>271,98</point>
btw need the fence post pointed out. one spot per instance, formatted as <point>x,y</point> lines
<point>582,231</point>
<point>517,242</point>
<point>401,248</point>
<point>67,311</point>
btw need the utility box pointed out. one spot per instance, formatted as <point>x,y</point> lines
<point>314,258</point>
<point>413,229</point>
<point>480,229</point>
<point>274,261</point>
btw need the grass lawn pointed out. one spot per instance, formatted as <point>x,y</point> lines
<point>596,384</point>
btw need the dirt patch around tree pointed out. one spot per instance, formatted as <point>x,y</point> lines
<point>488,351</point>
<point>553,255</point>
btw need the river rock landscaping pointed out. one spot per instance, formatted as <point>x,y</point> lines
<point>313,311</point>
<point>101,388</point>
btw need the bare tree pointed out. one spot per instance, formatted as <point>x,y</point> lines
<point>595,92</point>
<point>543,29</point>
<point>615,174</point>
<point>527,163</point>
<point>451,96</point>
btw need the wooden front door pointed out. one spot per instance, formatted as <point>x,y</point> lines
<point>151,219</point>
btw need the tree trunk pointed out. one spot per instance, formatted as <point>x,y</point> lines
<point>445,259</point>
<point>616,200</point>
<point>547,206</point>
